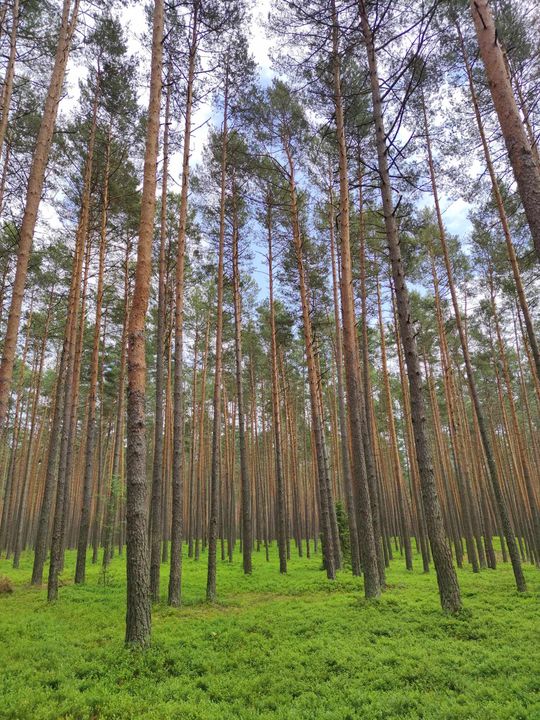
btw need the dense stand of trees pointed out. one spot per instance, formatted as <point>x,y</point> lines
<point>382,374</point>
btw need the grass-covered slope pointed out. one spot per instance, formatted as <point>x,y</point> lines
<point>290,648</point>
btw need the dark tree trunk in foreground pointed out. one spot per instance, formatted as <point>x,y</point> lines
<point>138,615</point>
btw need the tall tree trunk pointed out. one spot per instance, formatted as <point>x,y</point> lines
<point>502,212</point>
<point>7,88</point>
<point>517,435</point>
<point>276,410</point>
<point>28,468</point>
<point>366,502</point>
<point>215,473</point>
<point>343,426</point>
<point>313,379</point>
<point>402,495</point>
<point>175,577</point>
<point>156,517</point>
<point>114,481</point>
<point>138,616</point>
<point>84,527</point>
<point>442,556</point>
<point>369,433</point>
<point>244,470</point>
<point>35,186</point>
<point>526,170</point>
<point>492,469</point>
<point>70,385</point>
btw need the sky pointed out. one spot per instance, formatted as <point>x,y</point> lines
<point>133,20</point>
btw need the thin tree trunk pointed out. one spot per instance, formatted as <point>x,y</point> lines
<point>156,502</point>
<point>218,370</point>
<point>313,380</point>
<point>175,578</point>
<point>343,426</point>
<point>84,527</point>
<point>244,470</point>
<point>69,401</point>
<point>402,496</point>
<point>276,411</point>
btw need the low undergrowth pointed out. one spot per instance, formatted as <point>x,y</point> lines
<point>277,647</point>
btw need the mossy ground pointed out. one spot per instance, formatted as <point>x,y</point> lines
<point>283,647</point>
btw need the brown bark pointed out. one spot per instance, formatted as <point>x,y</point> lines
<point>313,377</point>
<point>366,495</point>
<point>115,472</point>
<point>244,469</point>
<point>156,502</point>
<point>276,411</point>
<point>526,170</point>
<point>33,198</point>
<point>175,577</point>
<point>343,426</point>
<point>91,428</point>
<point>446,575</point>
<point>215,472</point>
<point>502,214</point>
<point>7,88</point>
<point>138,616</point>
<point>495,480</point>
<point>28,465</point>
<point>72,359</point>
<point>402,496</point>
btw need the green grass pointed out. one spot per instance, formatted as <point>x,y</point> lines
<point>284,647</point>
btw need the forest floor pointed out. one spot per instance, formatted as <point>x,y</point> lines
<point>274,647</point>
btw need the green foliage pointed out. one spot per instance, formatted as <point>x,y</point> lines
<point>274,648</point>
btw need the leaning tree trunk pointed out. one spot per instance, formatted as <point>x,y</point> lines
<point>138,616</point>
<point>526,170</point>
<point>33,198</point>
<point>520,290</point>
<point>442,556</point>
<point>488,450</point>
<point>7,89</point>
